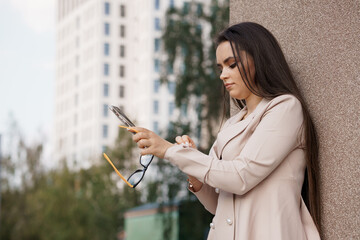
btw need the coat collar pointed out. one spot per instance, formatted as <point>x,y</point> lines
<point>235,126</point>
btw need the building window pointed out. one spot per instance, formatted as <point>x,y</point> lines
<point>105,110</point>
<point>171,87</point>
<point>107,8</point>
<point>106,49</point>
<point>156,44</point>
<point>105,131</point>
<point>172,3</point>
<point>171,108</point>
<point>122,92</point>
<point>122,71</point>
<point>156,107</point>
<point>199,9</point>
<point>157,24</point>
<point>157,65</point>
<point>122,51</point>
<point>106,89</point>
<point>157,4</point>
<point>122,31</point>
<point>156,86</point>
<point>122,11</point>
<point>107,29</point>
<point>156,127</point>
<point>186,7</point>
<point>106,69</point>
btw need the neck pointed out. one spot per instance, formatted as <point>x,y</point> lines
<point>251,102</point>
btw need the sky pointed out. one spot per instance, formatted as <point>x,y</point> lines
<point>27,67</point>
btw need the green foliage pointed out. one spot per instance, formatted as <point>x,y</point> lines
<point>185,40</point>
<point>63,203</point>
<point>87,203</point>
<point>187,45</point>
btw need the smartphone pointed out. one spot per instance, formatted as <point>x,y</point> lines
<point>121,115</point>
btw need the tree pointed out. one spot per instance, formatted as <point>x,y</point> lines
<point>64,203</point>
<point>187,46</point>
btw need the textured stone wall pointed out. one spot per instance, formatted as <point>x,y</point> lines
<point>321,42</point>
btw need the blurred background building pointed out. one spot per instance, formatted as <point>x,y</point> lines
<point>108,53</point>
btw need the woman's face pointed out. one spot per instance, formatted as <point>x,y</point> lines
<point>230,74</point>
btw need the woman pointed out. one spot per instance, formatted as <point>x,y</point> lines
<point>254,176</point>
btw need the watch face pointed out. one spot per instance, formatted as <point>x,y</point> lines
<point>121,115</point>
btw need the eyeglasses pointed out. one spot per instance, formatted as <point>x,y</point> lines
<point>136,177</point>
<point>145,160</point>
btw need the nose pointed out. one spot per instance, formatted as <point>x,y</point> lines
<point>224,74</point>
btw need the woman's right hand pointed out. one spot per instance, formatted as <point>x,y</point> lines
<point>185,140</point>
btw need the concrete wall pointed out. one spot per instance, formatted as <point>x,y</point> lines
<point>321,42</point>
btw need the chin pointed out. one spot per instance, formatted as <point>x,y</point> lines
<point>237,96</point>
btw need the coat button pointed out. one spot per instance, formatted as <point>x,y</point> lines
<point>217,190</point>
<point>212,226</point>
<point>229,221</point>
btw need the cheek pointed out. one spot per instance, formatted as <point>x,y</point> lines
<point>239,79</point>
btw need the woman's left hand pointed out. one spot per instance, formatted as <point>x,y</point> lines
<point>150,142</point>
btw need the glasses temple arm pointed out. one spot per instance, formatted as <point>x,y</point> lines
<point>118,173</point>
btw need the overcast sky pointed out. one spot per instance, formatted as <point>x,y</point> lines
<point>27,71</point>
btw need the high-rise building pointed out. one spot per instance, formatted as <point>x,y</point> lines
<point>108,53</point>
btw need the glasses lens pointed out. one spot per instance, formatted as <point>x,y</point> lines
<point>136,177</point>
<point>145,160</point>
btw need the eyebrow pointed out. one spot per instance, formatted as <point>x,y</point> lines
<point>225,61</point>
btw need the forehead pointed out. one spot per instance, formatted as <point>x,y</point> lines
<point>224,51</point>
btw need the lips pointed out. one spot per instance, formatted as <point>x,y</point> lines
<point>228,85</point>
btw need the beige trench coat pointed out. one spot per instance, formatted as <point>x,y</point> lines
<point>253,175</point>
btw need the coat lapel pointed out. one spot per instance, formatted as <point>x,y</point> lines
<point>235,126</point>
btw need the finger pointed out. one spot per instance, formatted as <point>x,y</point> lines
<point>185,138</point>
<point>140,135</point>
<point>192,143</point>
<point>143,143</point>
<point>179,140</point>
<point>138,129</point>
<point>146,151</point>
<point>188,139</point>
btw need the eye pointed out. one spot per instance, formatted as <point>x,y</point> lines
<point>233,65</point>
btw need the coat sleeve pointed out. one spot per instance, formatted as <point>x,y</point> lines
<point>207,195</point>
<point>208,198</point>
<point>273,139</point>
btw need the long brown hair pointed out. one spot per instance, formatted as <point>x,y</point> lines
<point>273,78</point>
